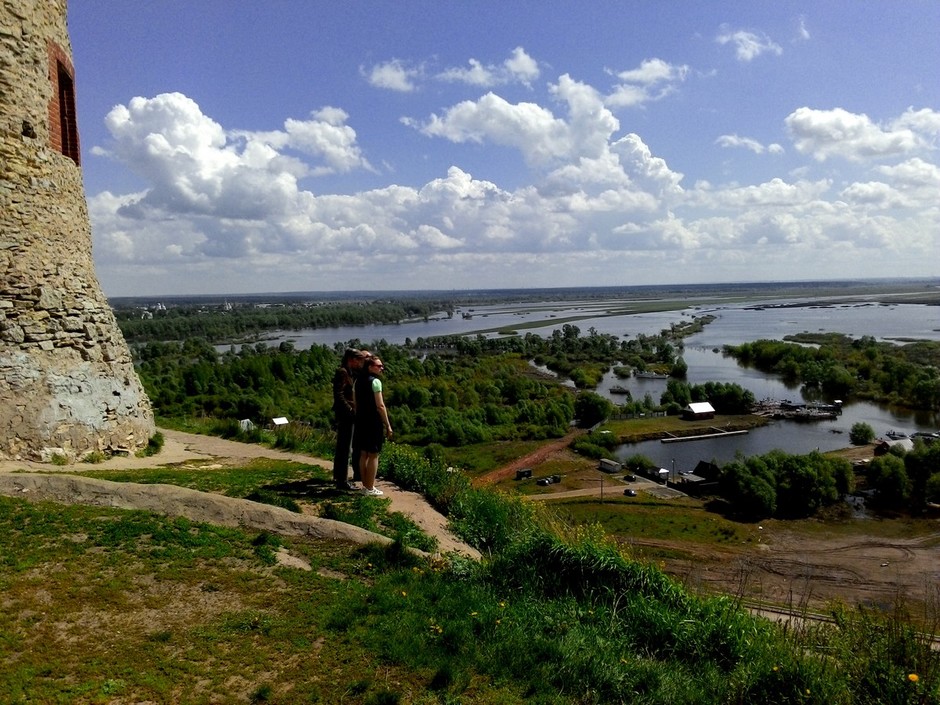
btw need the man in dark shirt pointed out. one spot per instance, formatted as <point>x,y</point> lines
<point>344,412</point>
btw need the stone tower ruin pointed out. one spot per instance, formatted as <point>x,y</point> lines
<point>67,380</point>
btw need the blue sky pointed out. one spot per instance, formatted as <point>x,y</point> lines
<point>244,147</point>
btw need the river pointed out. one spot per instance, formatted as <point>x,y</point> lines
<point>734,324</point>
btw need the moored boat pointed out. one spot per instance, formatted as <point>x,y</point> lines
<point>650,375</point>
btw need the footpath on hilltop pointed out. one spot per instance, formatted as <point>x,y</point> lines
<point>181,448</point>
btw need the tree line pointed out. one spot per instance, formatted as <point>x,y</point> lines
<point>451,391</point>
<point>842,367</point>
<point>448,400</point>
<point>786,486</point>
<point>223,323</point>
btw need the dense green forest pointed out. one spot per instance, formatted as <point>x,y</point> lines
<point>842,367</point>
<point>786,486</point>
<point>461,391</point>
<point>451,391</point>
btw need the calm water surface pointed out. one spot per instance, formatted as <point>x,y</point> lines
<point>734,324</point>
<point>791,436</point>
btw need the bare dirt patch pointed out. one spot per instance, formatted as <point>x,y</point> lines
<point>536,457</point>
<point>788,568</point>
<point>805,565</point>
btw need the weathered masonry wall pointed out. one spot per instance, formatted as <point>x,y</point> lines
<point>67,381</point>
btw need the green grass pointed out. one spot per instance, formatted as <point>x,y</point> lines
<point>169,611</point>
<point>103,605</point>
<point>632,430</point>
<point>482,457</point>
<point>645,517</point>
<point>293,479</point>
<point>285,484</point>
<point>900,528</point>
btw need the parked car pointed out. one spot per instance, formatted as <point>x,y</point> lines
<point>630,478</point>
<point>629,493</point>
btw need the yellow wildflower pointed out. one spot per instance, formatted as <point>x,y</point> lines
<point>913,677</point>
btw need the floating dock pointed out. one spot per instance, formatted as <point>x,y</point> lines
<point>718,433</point>
<point>810,411</point>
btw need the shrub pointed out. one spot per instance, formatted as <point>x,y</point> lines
<point>591,408</point>
<point>486,520</point>
<point>410,470</point>
<point>153,447</point>
<point>596,444</point>
<point>861,433</point>
<point>639,463</point>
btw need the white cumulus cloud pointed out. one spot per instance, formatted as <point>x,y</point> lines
<point>393,75</point>
<point>518,68</point>
<point>824,134</point>
<point>230,201</point>
<point>653,80</point>
<point>747,45</point>
<point>732,141</point>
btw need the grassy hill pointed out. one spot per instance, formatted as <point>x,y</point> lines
<point>109,606</point>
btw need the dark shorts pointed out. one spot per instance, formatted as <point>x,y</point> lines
<point>369,437</point>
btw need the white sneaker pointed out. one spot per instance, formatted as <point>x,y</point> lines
<point>374,492</point>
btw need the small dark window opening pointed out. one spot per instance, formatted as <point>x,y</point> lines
<point>67,121</point>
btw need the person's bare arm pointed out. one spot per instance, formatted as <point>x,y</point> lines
<point>383,412</point>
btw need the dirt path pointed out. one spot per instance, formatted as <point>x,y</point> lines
<point>180,448</point>
<point>534,458</point>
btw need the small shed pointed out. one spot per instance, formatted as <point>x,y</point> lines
<point>609,466</point>
<point>710,471</point>
<point>699,410</point>
<point>883,446</point>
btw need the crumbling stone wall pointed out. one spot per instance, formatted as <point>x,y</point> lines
<point>67,381</point>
